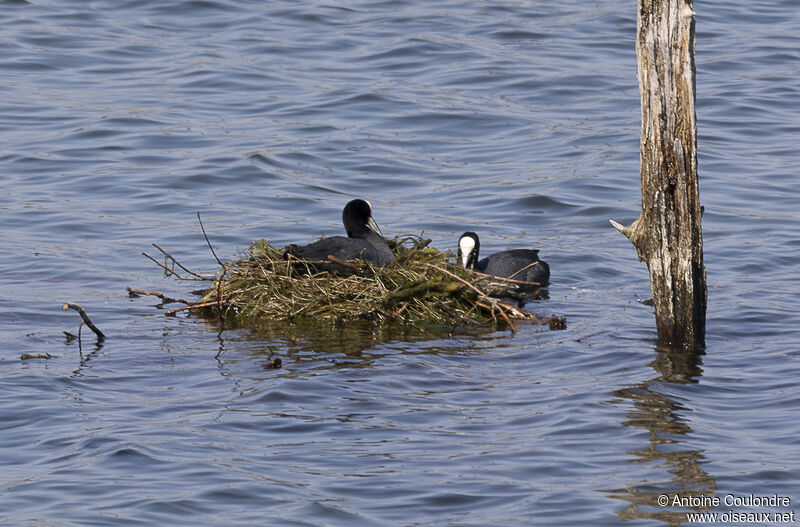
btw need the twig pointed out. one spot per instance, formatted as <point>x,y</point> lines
<point>484,276</point>
<point>176,262</point>
<point>221,279</point>
<point>190,306</point>
<point>162,296</point>
<point>85,317</point>
<point>520,270</point>
<point>445,271</point>
<point>170,271</point>
<point>495,305</point>
<point>400,311</point>
<point>208,242</point>
<point>220,291</point>
<point>491,301</point>
<point>345,263</point>
<point>28,356</point>
<point>510,280</point>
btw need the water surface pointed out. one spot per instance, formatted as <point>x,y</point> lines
<point>518,120</point>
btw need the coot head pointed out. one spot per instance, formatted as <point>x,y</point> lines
<point>357,219</point>
<point>468,248</point>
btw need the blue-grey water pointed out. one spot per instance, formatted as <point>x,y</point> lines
<point>119,120</point>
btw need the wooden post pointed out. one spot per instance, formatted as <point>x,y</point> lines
<point>668,234</point>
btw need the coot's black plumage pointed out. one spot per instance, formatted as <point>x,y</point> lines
<point>517,264</point>
<point>363,241</point>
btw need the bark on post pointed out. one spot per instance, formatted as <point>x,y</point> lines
<point>668,235</point>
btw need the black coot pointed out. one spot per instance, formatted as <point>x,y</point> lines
<point>363,241</point>
<point>517,264</point>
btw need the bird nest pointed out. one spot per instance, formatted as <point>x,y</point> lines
<point>422,287</point>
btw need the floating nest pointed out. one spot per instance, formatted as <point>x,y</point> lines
<point>421,288</point>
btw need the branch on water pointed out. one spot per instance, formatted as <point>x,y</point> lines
<point>85,317</point>
<point>166,300</point>
<point>29,356</point>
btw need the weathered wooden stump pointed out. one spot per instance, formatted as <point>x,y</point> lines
<point>668,234</point>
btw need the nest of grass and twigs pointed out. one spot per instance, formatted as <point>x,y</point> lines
<point>421,288</point>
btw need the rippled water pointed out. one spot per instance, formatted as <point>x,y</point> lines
<point>519,120</point>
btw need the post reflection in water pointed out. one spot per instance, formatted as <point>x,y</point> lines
<point>661,417</point>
